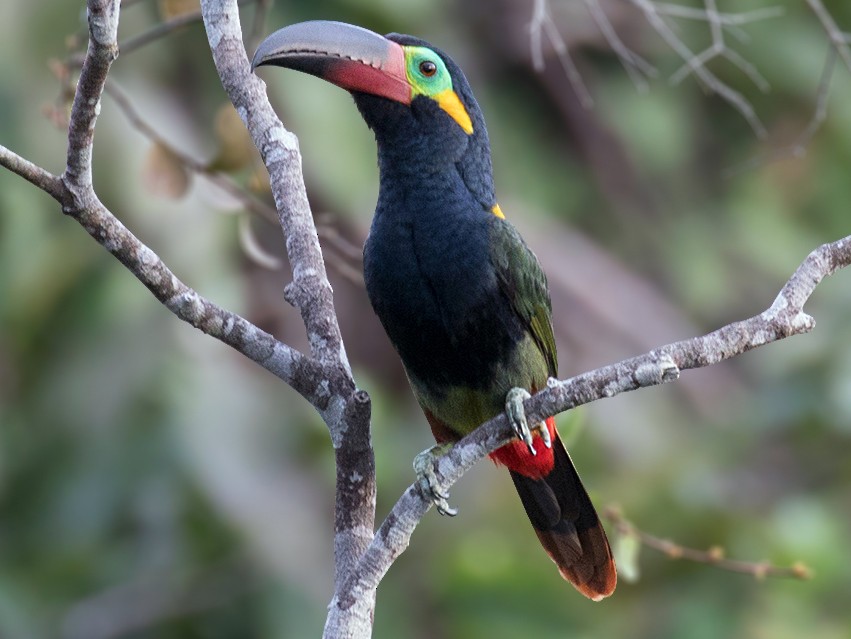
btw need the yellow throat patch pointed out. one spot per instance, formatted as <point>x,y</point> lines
<point>451,103</point>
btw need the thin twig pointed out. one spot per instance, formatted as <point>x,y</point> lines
<point>714,556</point>
<point>536,45</point>
<point>798,148</point>
<point>717,49</point>
<point>636,67</point>
<point>541,25</point>
<point>340,247</point>
<point>837,38</point>
<point>258,26</point>
<point>346,248</point>
<point>157,32</point>
<point>222,180</point>
<point>32,173</point>
<point>164,28</point>
<point>709,79</point>
<point>727,19</point>
<point>822,96</point>
<point>343,249</point>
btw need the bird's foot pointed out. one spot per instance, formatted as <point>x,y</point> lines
<point>517,417</point>
<point>427,479</point>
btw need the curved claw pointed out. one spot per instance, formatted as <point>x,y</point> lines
<point>545,434</point>
<point>427,479</point>
<point>517,417</point>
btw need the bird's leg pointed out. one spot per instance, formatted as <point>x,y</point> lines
<point>517,417</point>
<point>426,478</point>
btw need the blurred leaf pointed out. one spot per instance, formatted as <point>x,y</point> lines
<point>236,150</point>
<point>627,549</point>
<point>175,8</point>
<point>164,174</point>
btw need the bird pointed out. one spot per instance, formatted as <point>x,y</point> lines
<point>461,296</point>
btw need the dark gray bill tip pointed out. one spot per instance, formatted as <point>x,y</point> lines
<point>319,40</point>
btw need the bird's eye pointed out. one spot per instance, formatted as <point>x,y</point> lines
<point>428,68</point>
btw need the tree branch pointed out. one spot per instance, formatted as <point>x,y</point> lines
<point>324,379</point>
<point>310,292</point>
<point>102,51</point>
<point>74,191</point>
<point>784,318</point>
<point>32,173</point>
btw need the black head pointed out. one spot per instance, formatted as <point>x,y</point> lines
<point>411,94</point>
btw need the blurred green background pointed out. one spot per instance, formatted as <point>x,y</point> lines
<point>155,484</point>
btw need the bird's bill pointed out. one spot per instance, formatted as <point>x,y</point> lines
<point>353,58</point>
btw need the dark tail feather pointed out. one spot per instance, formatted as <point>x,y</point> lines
<point>568,527</point>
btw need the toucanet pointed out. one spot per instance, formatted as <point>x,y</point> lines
<point>462,298</point>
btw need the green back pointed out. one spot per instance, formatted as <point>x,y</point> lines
<point>521,279</point>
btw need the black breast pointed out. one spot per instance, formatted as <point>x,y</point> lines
<point>429,278</point>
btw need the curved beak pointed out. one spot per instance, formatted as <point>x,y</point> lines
<point>351,57</point>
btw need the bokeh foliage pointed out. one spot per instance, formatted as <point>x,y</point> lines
<point>154,484</point>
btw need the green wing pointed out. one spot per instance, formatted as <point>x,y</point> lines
<point>521,279</point>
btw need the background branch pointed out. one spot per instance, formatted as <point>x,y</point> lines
<point>714,556</point>
<point>838,40</point>
<point>342,251</point>
<point>164,29</point>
